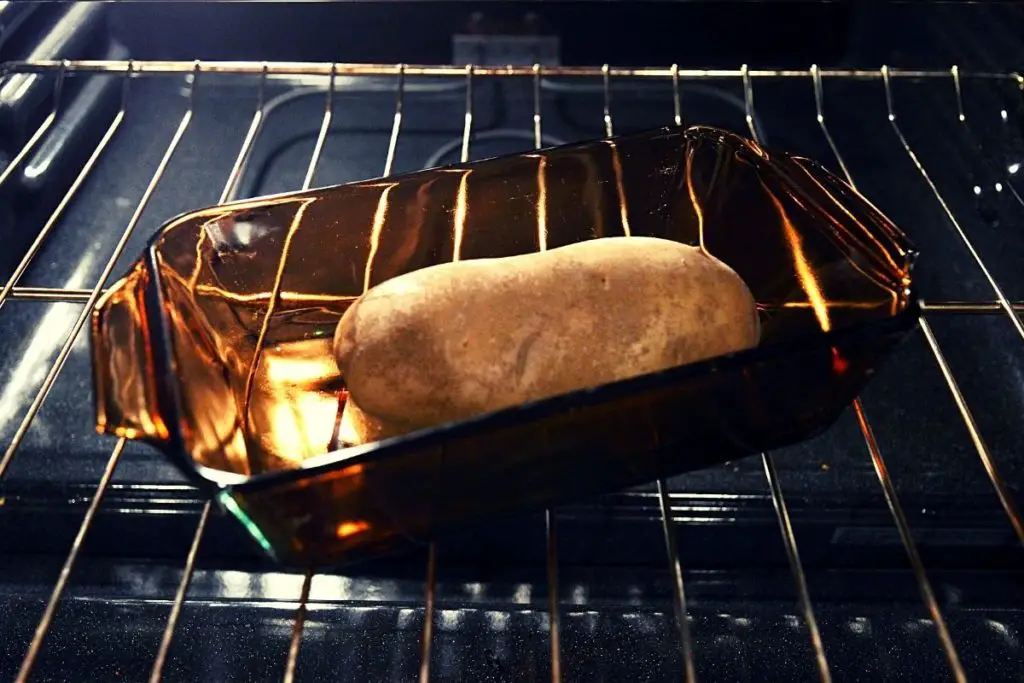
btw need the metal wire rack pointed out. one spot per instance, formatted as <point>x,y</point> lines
<point>204,74</point>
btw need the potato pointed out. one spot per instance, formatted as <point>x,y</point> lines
<point>451,341</point>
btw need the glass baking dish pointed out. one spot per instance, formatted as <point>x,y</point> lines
<point>216,346</point>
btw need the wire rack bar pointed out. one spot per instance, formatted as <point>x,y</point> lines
<point>300,621</point>
<point>678,591</point>
<point>538,138</point>
<point>467,127</point>
<point>748,103</point>
<point>554,615</point>
<point>94,295</point>
<point>428,614</point>
<point>57,294</point>
<point>892,500</point>
<point>255,126</point>
<point>431,579</point>
<point>307,182</point>
<point>115,456</point>
<point>281,68</point>
<point>321,138</point>
<point>1002,491</point>
<point>925,586</point>
<point>396,124</point>
<point>966,307</point>
<point>157,672</point>
<point>819,108</point>
<point>667,522</point>
<point>778,499</point>
<point>550,522</point>
<point>1004,302</point>
<point>675,566</point>
<point>796,567</point>
<point>677,105</point>
<point>962,118</point>
<point>69,195</point>
<point>606,79</point>
<point>995,477</point>
<point>65,572</point>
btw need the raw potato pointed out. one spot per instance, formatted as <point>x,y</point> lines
<point>460,339</point>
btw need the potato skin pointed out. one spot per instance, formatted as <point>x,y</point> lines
<point>460,339</point>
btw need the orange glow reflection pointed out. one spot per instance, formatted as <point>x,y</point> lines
<point>295,425</point>
<point>839,364</point>
<point>269,315</point>
<point>804,272</point>
<point>304,364</point>
<point>194,277</point>
<point>459,219</point>
<point>879,249</point>
<point>693,200</point>
<point>378,224</point>
<point>620,190</point>
<point>849,305</point>
<point>126,385</point>
<point>263,297</point>
<point>294,403</point>
<point>351,528</point>
<point>542,203</point>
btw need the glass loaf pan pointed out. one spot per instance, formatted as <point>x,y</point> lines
<point>216,346</point>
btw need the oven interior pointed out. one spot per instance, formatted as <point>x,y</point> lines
<point>888,548</point>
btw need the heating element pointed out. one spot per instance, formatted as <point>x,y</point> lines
<point>967,275</point>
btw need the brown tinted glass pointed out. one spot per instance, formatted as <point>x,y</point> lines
<point>216,347</point>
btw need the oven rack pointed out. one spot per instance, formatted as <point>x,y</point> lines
<point>325,74</point>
